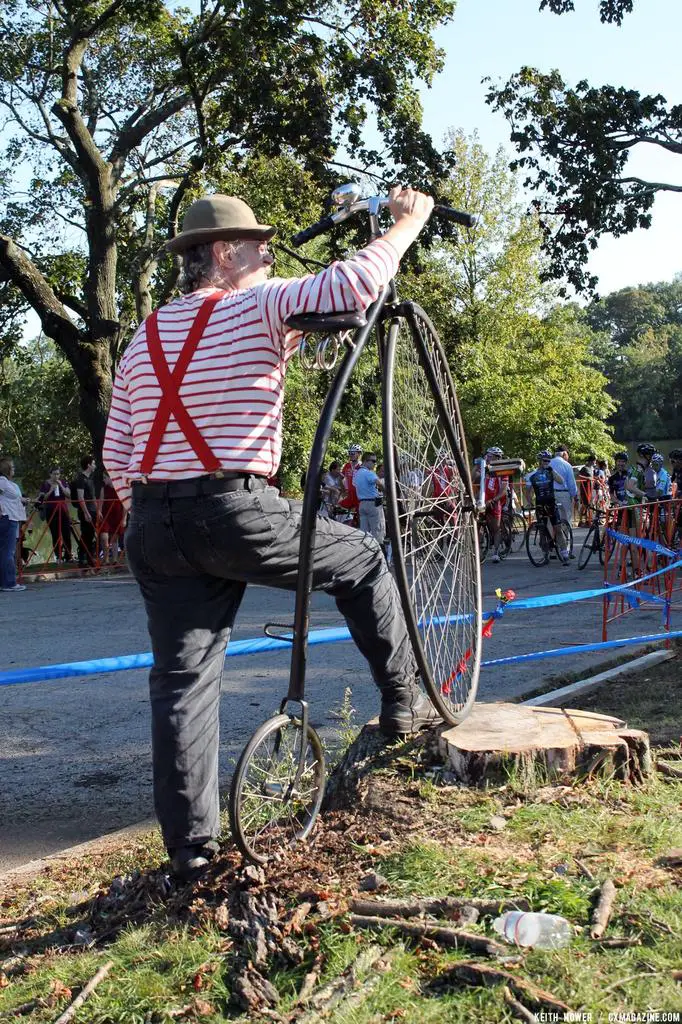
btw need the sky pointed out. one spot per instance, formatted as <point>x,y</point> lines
<point>497,37</point>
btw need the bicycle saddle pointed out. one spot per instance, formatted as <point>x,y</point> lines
<point>349,320</point>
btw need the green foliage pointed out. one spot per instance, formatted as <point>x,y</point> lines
<point>39,424</point>
<point>523,365</point>
<point>638,346</point>
<point>574,144</point>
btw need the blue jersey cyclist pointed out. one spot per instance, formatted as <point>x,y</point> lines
<point>540,485</point>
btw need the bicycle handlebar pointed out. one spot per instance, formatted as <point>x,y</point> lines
<point>320,227</point>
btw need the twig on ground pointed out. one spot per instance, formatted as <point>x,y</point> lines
<point>619,942</point>
<point>449,906</point>
<point>672,771</point>
<point>584,870</point>
<point>443,936</point>
<point>603,909</point>
<point>84,994</point>
<point>630,977</point>
<point>517,1008</point>
<point>347,987</point>
<point>469,972</point>
<point>29,1007</point>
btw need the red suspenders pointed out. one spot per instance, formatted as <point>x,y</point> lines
<point>171,403</point>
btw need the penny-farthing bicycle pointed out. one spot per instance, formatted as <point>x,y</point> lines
<point>278,785</point>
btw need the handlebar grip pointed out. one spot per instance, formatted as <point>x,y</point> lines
<point>467,220</point>
<point>313,231</point>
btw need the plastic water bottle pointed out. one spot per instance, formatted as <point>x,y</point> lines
<point>541,931</point>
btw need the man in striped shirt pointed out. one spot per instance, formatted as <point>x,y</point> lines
<point>194,431</point>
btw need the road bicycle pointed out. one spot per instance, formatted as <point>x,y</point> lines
<point>486,540</point>
<point>278,785</point>
<point>540,544</point>
<point>595,538</point>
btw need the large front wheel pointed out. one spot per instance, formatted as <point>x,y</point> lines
<point>431,514</point>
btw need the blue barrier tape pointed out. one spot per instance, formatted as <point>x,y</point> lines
<point>260,645</point>
<point>604,645</point>
<point>641,542</point>
<point>126,662</point>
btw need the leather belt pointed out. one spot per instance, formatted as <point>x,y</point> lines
<point>199,485</point>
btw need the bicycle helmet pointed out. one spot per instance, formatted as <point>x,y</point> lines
<point>496,451</point>
<point>657,460</point>
<point>621,457</point>
<point>647,450</point>
<point>545,455</point>
<point>355,449</point>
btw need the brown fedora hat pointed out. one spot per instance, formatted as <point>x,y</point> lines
<point>219,218</point>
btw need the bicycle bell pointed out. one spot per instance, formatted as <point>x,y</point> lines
<point>346,195</point>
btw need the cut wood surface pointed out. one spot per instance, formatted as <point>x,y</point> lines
<point>558,740</point>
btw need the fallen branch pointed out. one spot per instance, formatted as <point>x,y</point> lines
<point>84,994</point>
<point>469,972</point>
<point>29,1007</point>
<point>443,936</point>
<point>517,1008</point>
<point>603,909</point>
<point>346,987</point>
<point>619,942</point>
<point>672,771</point>
<point>449,907</point>
<point>584,870</point>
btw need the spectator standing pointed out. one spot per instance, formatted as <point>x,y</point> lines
<point>368,487</point>
<point>350,498</point>
<point>566,492</point>
<point>495,498</point>
<point>12,514</point>
<point>586,488</point>
<point>332,488</point>
<point>111,523</point>
<point>53,502</point>
<point>83,497</point>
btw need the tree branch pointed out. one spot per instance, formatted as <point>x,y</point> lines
<point>57,324</point>
<point>133,135</point>
<point>73,303</point>
<point>650,186</point>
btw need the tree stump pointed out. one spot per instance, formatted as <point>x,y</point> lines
<point>496,740</point>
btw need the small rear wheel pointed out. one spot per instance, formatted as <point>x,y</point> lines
<point>270,808</point>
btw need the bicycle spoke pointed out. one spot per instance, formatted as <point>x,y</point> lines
<point>436,525</point>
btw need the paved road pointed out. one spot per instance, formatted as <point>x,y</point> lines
<point>74,754</point>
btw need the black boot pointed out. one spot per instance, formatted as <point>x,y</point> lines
<point>405,710</point>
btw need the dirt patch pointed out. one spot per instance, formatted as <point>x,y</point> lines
<point>649,700</point>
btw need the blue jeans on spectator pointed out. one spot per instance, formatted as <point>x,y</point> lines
<point>9,533</point>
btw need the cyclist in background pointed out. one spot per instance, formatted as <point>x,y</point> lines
<point>663,481</point>
<point>540,485</point>
<point>642,481</point>
<point>618,491</point>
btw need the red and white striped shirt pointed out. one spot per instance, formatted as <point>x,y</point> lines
<point>234,385</point>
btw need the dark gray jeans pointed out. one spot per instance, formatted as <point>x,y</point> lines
<point>192,557</point>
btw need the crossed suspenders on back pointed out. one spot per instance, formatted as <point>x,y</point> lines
<point>170,403</point>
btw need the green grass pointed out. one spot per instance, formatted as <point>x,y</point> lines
<point>550,834</point>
